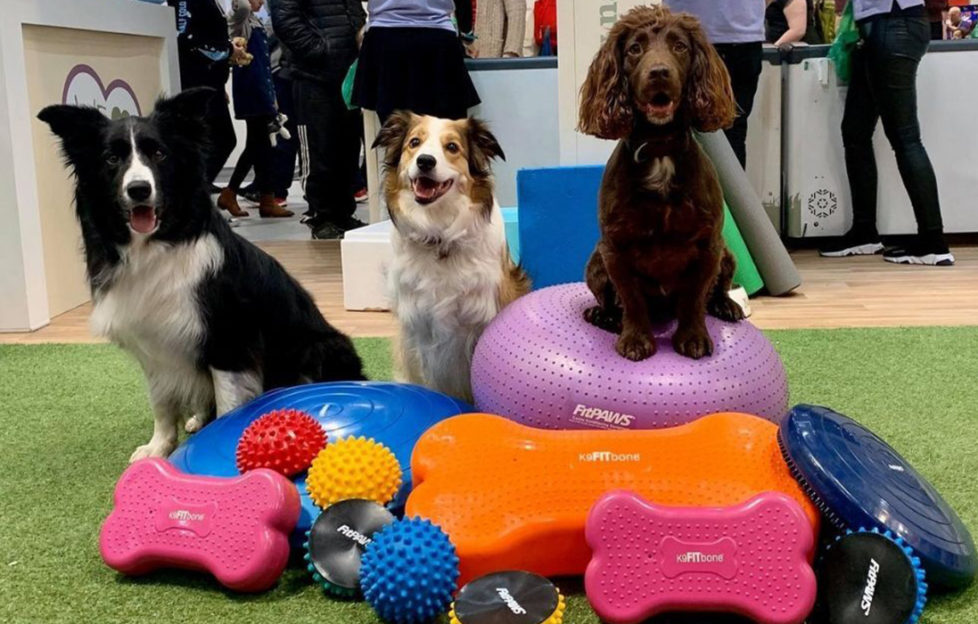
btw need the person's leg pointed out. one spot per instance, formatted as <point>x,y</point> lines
<point>285,153</point>
<point>302,144</point>
<point>893,72</point>
<point>858,126</point>
<point>307,101</point>
<point>242,168</point>
<point>384,113</point>
<point>260,148</point>
<point>223,139</point>
<point>328,132</point>
<point>228,198</point>
<point>345,162</point>
<point>743,61</point>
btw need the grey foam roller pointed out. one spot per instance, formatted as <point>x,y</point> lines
<point>772,259</point>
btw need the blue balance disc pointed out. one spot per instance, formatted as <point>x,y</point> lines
<point>391,413</point>
<point>860,481</point>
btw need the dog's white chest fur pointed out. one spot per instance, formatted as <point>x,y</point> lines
<point>660,175</point>
<point>443,302</point>
<point>149,308</point>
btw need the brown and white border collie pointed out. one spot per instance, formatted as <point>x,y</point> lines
<point>452,272</point>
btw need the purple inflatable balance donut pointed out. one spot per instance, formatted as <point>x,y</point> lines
<point>540,363</point>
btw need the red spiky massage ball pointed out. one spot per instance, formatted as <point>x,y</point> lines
<point>285,441</point>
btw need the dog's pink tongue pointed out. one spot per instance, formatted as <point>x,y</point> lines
<point>142,219</point>
<point>425,188</point>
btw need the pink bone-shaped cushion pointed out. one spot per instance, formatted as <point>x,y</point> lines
<point>237,529</point>
<point>752,559</point>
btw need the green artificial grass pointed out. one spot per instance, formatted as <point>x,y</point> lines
<point>71,415</point>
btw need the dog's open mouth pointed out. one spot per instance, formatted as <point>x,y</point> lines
<point>661,106</point>
<point>143,219</point>
<point>427,190</point>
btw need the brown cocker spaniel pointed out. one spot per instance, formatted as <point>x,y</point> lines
<point>661,253</point>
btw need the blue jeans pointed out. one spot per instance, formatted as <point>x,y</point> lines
<point>884,86</point>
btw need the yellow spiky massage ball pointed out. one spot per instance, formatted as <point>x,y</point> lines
<point>354,468</point>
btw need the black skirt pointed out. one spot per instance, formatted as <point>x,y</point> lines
<point>417,69</point>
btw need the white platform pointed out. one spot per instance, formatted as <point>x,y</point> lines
<point>366,253</point>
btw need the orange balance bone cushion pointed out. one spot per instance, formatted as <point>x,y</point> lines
<point>515,498</point>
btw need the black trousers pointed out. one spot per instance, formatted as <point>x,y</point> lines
<point>743,61</point>
<point>258,154</point>
<point>223,139</point>
<point>284,154</point>
<point>329,137</point>
<point>884,86</point>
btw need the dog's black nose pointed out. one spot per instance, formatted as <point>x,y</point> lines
<point>139,190</point>
<point>659,72</point>
<point>426,162</point>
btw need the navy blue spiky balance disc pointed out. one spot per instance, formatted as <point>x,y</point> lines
<point>870,577</point>
<point>858,480</point>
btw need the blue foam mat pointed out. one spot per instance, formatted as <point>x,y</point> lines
<point>558,221</point>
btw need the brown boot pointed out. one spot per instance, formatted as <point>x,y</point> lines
<point>228,200</point>
<point>268,209</point>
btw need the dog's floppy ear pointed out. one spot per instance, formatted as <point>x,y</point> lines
<point>483,147</point>
<point>78,127</point>
<point>391,136</point>
<point>709,96</point>
<point>606,107</point>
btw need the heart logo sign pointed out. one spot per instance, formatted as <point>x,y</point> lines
<point>84,87</point>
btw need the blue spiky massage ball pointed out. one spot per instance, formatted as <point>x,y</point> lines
<point>409,572</point>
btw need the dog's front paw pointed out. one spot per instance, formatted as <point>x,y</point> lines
<point>601,319</point>
<point>725,309</point>
<point>153,449</point>
<point>693,344</point>
<point>195,424</point>
<point>635,346</point>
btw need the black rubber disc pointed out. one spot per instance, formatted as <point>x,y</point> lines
<point>871,579</point>
<point>507,598</point>
<point>338,538</point>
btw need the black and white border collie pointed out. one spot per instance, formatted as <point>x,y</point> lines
<point>212,320</point>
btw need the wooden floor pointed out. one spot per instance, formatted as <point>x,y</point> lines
<point>852,292</point>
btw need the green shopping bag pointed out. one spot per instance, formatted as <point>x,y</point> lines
<point>347,88</point>
<point>845,42</point>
